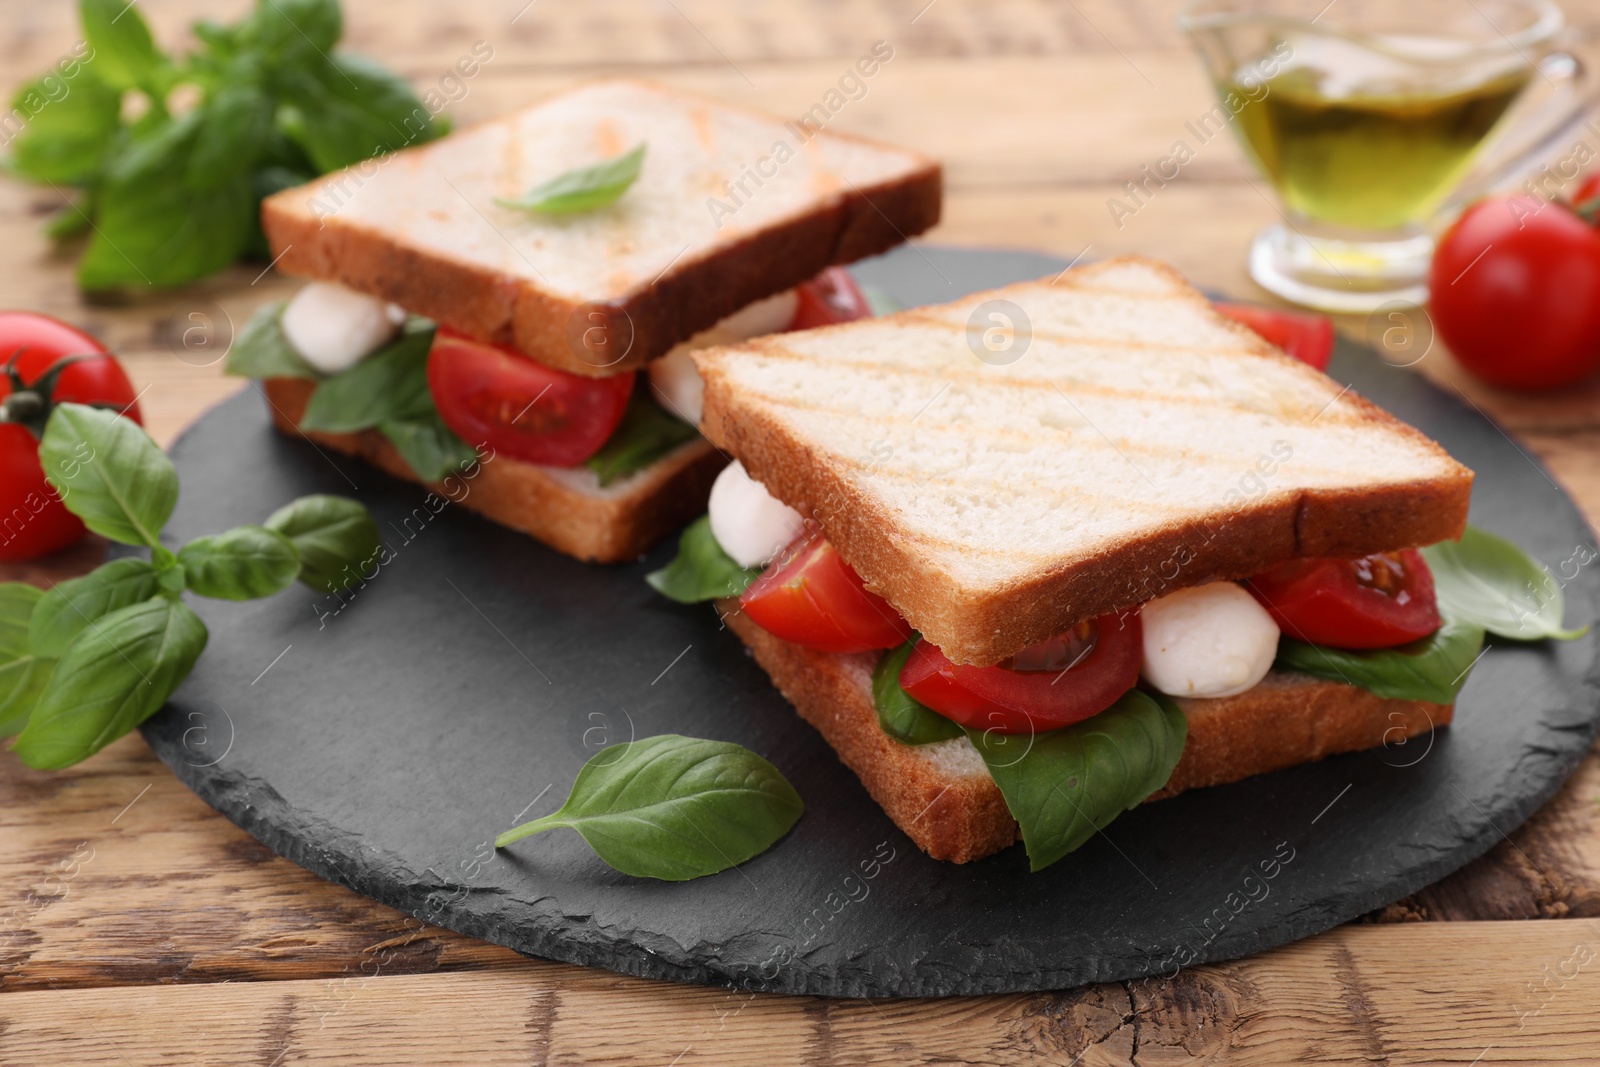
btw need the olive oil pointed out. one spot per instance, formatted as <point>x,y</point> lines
<point>1370,156</point>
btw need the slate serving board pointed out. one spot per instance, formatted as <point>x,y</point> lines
<point>383,741</point>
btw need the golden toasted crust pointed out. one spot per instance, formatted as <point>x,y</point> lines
<point>691,296</point>
<point>1284,721</point>
<point>601,528</point>
<point>984,626</point>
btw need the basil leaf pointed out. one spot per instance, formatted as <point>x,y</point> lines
<point>109,473</point>
<point>585,188</point>
<point>22,675</point>
<point>70,129</point>
<point>72,605</point>
<point>1432,669</point>
<point>1064,785</point>
<point>244,563</point>
<point>234,124</point>
<point>346,108</point>
<point>645,435</point>
<point>392,383</point>
<point>262,351</point>
<point>701,570</point>
<point>154,231</point>
<point>429,447</point>
<point>287,28</point>
<point>114,676</point>
<point>1490,582</point>
<point>900,714</point>
<point>673,807</point>
<point>334,535</point>
<point>125,55</point>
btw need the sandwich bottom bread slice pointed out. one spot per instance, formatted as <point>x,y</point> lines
<point>942,796</point>
<point>1023,594</point>
<point>567,509</point>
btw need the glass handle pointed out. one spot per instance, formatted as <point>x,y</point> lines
<point>1537,134</point>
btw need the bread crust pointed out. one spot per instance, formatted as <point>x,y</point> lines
<point>692,295</point>
<point>984,626</point>
<point>597,528</point>
<point>1287,720</point>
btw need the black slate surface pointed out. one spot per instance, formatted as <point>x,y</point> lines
<point>383,742</point>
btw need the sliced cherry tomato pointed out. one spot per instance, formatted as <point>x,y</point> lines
<point>812,597</point>
<point>832,296</point>
<point>1376,601</point>
<point>1044,687</point>
<point>1306,337</point>
<point>33,520</point>
<point>1515,292</point>
<point>520,407</point>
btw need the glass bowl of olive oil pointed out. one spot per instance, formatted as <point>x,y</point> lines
<point>1372,121</point>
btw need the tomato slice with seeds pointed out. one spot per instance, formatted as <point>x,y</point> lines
<point>812,597</point>
<point>1046,686</point>
<point>520,407</point>
<point>1377,601</point>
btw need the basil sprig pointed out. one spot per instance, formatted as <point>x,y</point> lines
<point>583,189</point>
<point>1432,669</point>
<point>1064,785</point>
<point>701,570</point>
<point>168,197</point>
<point>1490,582</point>
<point>387,391</point>
<point>92,658</point>
<point>901,715</point>
<point>645,434</point>
<point>674,807</point>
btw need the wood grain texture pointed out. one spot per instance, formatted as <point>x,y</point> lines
<point>138,926</point>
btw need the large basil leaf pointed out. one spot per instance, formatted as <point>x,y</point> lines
<point>70,606</point>
<point>645,434</point>
<point>22,675</point>
<point>245,563</point>
<point>392,383</point>
<point>1489,582</point>
<point>115,675</point>
<point>262,351</point>
<point>701,570</point>
<point>674,807</point>
<point>125,54</point>
<point>585,188</point>
<point>346,108</point>
<point>429,447</point>
<point>109,473</point>
<point>1064,785</point>
<point>334,535</point>
<point>1432,669</point>
<point>901,715</point>
<point>68,135</point>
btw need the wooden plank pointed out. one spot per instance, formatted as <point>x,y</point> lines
<point>1462,993</point>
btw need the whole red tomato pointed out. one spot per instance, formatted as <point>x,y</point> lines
<point>1515,290</point>
<point>33,520</point>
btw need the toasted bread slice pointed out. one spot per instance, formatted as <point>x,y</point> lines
<point>1139,443</point>
<point>942,796</point>
<point>732,205</point>
<point>567,509</point>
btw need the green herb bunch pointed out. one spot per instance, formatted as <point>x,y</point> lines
<point>92,658</point>
<point>172,155</point>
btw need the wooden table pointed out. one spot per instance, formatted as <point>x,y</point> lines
<point>142,927</point>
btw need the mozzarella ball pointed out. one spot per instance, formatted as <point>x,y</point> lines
<point>673,379</point>
<point>748,522</point>
<point>333,327</point>
<point>1210,641</point>
<point>677,385</point>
